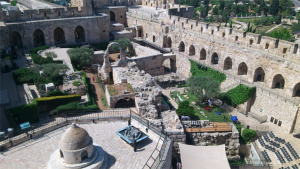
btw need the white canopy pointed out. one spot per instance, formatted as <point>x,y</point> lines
<point>203,157</point>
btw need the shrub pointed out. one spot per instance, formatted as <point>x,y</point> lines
<point>196,71</point>
<point>75,107</point>
<point>282,33</point>
<point>51,54</point>
<point>184,109</point>
<point>77,83</point>
<point>50,103</point>
<point>13,3</point>
<point>248,135</point>
<point>237,95</point>
<point>124,42</point>
<point>26,113</point>
<point>35,50</point>
<point>24,75</point>
<point>37,59</point>
<point>56,93</point>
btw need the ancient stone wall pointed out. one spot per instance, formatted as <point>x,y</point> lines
<point>104,3</point>
<point>118,11</point>
<point>95,30</point>
<point>98,57</point>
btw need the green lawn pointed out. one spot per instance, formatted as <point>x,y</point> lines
<point>211,113</point>
<point>247,20</point>
<point>263,29</point>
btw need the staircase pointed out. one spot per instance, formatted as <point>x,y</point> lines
<point>117,31</point>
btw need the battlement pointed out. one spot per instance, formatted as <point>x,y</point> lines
<point>240,37</point>
<point>43,14</point>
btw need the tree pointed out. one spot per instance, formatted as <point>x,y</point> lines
<point>277,19</point>
<point>248,135</point>
<point>298,16</point>
<point>248,28</point>
<point>203,87</point>
<point>215,11</point>
<point>81,56</point>
<point>282,33</point>
<point>55,72</point>
<point>237,10</point>
<point>274,7</point>
<point>124,43</point>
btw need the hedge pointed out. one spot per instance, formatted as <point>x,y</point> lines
<point>75,107</point>
<point>35,50</point>
<point>238,95</point>
<point>26,113</point>
<point>37,59</point>
<point>24,75</point>
<point>50,103</point>
<point>196,71</point>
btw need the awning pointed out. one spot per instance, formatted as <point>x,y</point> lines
<point>203,157</point>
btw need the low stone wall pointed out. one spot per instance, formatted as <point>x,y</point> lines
<point>98,57</point>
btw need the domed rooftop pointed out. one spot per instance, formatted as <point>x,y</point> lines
<point>75,138</point>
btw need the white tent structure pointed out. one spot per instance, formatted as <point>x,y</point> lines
<point>203,157</point>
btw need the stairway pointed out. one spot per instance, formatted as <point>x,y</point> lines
<point>117,31</point>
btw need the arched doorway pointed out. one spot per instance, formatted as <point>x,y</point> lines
<point>140,32</point>
<point>278,81</point>
<point>296,91</point>
<point>84,155</point>
<point>79,34</point>
<point>169,65</point>
<point>15,40</point>
<point>6,68</point>
<point>59,36</point>
<point>123,103</point>
<point>214,58</point>
<point>112,16</point>
<point>259,75</point>
<point>202,54</point>
<point>38,38</point>
<point>227,63</point>
<point>192,50</point>
<point>181,47</point>
<point>242,69</point>
<point>169,42</point>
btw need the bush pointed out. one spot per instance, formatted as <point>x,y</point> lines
<point>50,103</point>
<point>26,113</point>
<point>248,135</point>
<point>37,59</point>
<point>13,3</point>
<point>24,75</point>
<point>56,93</point>
<point>124,42</point>
<point>35,50</point>
<point>282,33</point>
<point>77,83</point>
<point>51,54</point>
<point>196,71</point>
<point>184,109</point>
<point>75,107</point>
<point>237,95</point>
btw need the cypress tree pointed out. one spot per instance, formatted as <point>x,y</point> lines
<point>274,7</point>
<point>230,24</point>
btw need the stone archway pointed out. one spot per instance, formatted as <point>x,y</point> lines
<point>106,68</point>
<point>181,47</point>
<point>169,65</point>
<point>169,42</point>
<point>15,40</point>
<point>140,32</point>
<point>124,103</point>
<point>296,90</point>
<point>227,63</point>
<point>38,38</point>
<point>84,155</point>
<point>192,50</point>
<point>202,54</point>
<point>278,81</point>
<point>214,58</point>
<point>112,16</point>
<point>59,36</point>
<point>242,69</point>
<point>259,75</point>
<point>79,34</point>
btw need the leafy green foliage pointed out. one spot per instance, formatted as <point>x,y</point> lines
<point>24,75</point>
<point>196,71</point>
<point>248,135</point>
<point>80,56</point>
<point>295,27</point>
<point>184,109</point>
<point>50,103</point>
<point>73,107</point>
<point>13,3</point>
<point>264,20</point>
<point>77,83</point>
<point>56,93</point>
<point>237,95</point>
<point>203,87</point>
<point>37,59</point>
<point>282,33</point>
<point>35,50</point>
<point>51,54</point>
<point>26,113</point>
<point>124,42</point>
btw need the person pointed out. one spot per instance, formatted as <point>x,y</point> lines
<point>178,165</point>
<point>93,79</point>
<point>156,7</point>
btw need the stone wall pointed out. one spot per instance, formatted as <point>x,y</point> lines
<point>98,57</point>
<point>268,104</point>
<point>119,11</point>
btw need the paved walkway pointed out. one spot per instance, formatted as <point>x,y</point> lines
<point>36,152</point>
<point>273,28</point>
<point>61,55</point>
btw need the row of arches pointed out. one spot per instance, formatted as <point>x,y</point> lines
<point>39,37</point>
<point>259,73</point>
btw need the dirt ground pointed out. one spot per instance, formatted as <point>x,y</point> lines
<point>90,73</point>
<point>114,57</point>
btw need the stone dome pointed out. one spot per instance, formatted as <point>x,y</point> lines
<point>75,138</point>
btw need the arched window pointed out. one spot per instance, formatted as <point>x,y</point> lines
<point>227,63</point>
<point>169,42</point>
<point>181,47</point>
<point>84,155</point>
<point>259,75</point>
<point>59,36</point>
<point>192,50</point>
<point>296,90</point>
<point>202,54</point>
<point>112,16</point>
<point>278,81</point>
<point>15,40</point>
<point>242,69</point>
<point>214,58</point>
<point>79,34</point>
<point>38,38</point>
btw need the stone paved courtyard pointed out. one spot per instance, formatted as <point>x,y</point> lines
<point>34,154</point>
